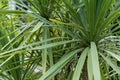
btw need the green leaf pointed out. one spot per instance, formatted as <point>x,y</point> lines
<point>73,12</point>
<point>80,65</point>
<point>113,55</point>
<point>59,65</point>
<point>110,18</point>
<point>109,62</point>
<point>39,47</point>
<point>95,62</point>
<point>102,10</point>
<point>12,12</point>
<point>53,44</point>
<point>37,26</point>
<point>89,66</point>
<point>6,61</point>
<point>44,51</point>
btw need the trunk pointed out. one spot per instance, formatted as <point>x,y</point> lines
<point>85,72</point>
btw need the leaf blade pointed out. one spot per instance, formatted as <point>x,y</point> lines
<point>80,64</point>
<point>95,62</point>
<point>54,69</point>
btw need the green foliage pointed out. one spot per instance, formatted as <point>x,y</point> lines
<point>60,40</point>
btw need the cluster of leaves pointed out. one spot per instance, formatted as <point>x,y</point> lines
<point>60,40</point>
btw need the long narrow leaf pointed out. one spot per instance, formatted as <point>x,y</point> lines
<point>109,62</point>
<point>95,62</point>
<point>59,65</point>
<point>113,55</point>
<point>80,64</point>
<point>89,67</point>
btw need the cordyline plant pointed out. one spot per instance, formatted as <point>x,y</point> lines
<point>61,40</point>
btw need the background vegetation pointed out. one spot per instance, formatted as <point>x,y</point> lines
<point>60,40</point>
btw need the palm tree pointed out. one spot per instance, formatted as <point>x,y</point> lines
<point>62,40</point>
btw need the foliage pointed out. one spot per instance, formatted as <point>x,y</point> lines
<point>60,40</point>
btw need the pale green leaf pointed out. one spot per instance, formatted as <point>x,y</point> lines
<point>109,62</point>
<point>95,61</point>
<point>80,65</point>
<point>37,26</point>
<point>89,67</point>
<point>59,65</point>
<point>113,55</point>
